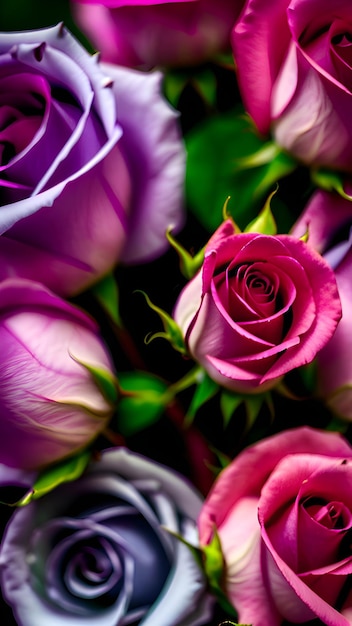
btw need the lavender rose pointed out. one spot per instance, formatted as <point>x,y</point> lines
<point>50,404</point>
<point>260,306</point>
<point>150,32</point>
<point>295,72</point>
<point>97,551</point>
<point>328,219</point>
<point>92,162</point>
<point>283,511</point>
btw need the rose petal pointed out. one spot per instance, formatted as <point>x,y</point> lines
<point>154,165</point>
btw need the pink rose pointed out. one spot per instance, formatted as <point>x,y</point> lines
<point>328,219</point>
<point>166,32</point>
<point>51,405</point>
<point>283,511</point>
<point>260,306</point>
<point>294,61</point>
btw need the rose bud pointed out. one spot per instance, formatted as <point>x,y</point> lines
<point>102,550</point>
<point>150,33</point>
<point>51,405</point>
<point>283,512</point>
<point>297,84</point>
<point>260,306</point>
<point>92,163</point>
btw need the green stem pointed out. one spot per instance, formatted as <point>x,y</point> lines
<point>191,378</point>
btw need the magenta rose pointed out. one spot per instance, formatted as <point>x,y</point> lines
<point>92,163</point>
<point>50,403</point>
<point>294,60</point>
<point>283,511</point>
<point>166,32</point>
<point>102,551</point>
<point>328,219</point>
<point>260,306</point>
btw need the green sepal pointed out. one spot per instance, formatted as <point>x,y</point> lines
<point>173,85</point>
<point>330,181</point>
<point>266,153</point>
<point>143,401</point>
<point>196,551</point>
<point>264,223</point>
<point>309,375</point>
<point>55,475</point>
<point>223,460</point>
<point>189,265</point>
<point>105,381</point>
<point>205,390</point>
<point>172,331</point>
<point>214,569</point>
<point>254,404</point>
<point>107,293</point>
<point>202,80</point>
<point>229,403</point>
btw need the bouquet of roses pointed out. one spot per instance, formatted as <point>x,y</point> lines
<point>175,313</point>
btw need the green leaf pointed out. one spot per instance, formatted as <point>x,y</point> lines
<point>62,472</point>
<point>143,405</point>
<point>226,157</point>
<point>106,292</point>
<point>205,390</point>
<point>264,223</point>
<point>172,333</point>
<point>189,265</point>
<point>330,181</point>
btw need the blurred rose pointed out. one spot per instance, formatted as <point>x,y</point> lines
<point>283,510</point>
<point>50,405</point>
<point>294,62</point>
<point>96,551</point>
<point>149,33</point>
<point>328,219</point>
<point>260,306</point>
<point>91,162</point>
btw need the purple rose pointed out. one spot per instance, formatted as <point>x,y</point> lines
<point>328,219</point>
<point>295,73</point>
<point>92,162</point>
<point>50,404</point>
<point>97,551</point>
<point>260,306</point>
<point>170,32</point>
<point>283,511</point>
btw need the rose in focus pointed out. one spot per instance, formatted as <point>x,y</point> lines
<point>88,155</point>
<point>150,33</point>
<point>98,550</point>
<point>260,306</point>
<point>294,60</point>
<point>328,220</point>
<point>51,405</point>
<point>283,511</point>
